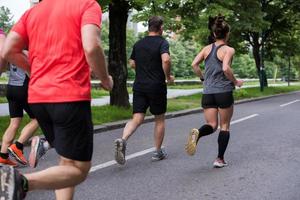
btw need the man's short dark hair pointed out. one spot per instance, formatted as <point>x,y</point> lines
<point>155,23</point>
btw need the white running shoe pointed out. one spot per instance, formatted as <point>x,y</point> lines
<point>218,163</point>
<point>38,150</point>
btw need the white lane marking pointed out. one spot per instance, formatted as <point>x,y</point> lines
<point>112,162</point>
<point>244,118</point>
<point>286,104</point>
<point>141,153</point>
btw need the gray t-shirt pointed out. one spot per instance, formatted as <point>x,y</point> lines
<point>17,76</point>
<point>215,80</point>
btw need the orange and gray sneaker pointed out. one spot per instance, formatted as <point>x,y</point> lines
<point>191,144</point>
<point>17,154</point>
<point>7,161</point>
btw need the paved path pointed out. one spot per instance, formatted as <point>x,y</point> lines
<point>262,157</point>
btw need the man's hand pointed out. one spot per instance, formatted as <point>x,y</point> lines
<point>170,79</point>
<point>107,84</point>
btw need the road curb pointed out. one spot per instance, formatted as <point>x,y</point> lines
<point>170,115</point>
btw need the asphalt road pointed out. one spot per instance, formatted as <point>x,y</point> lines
<point>263,158</point>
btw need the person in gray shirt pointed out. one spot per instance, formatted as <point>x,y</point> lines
<point>16,95</point>
<point>219,83</point>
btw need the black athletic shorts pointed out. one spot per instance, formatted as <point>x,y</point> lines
<point>67,127</point>
<point>218,100</point>
<point>156,101</point>
<point>17,101</point>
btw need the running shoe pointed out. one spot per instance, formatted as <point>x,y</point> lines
<point>17,154</point>
<point>159,155</point>
<point>191,144</point>
<point>37,151</point>
<point>11,184</point>
<point>8,162</point>
<point>218,163</point>
<point>120,149</point>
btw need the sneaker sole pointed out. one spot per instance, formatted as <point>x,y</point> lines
<point>219,166</point>
<point>33,152</point>
<point>2,165</point>
<point>191,145</point>
<point>7,185</point>
<point>159,159</point>
<point>16,157</point>
<point>119,156</point>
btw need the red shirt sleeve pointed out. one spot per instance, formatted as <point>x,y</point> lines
<point>1,32</point>
<point>20,28</point>
<point>92,14</point>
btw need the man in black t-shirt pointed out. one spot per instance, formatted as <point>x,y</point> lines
<point>151,60</point>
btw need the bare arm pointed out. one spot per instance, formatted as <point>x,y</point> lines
<point>227,67</point>
<point>13,51</point>
<point>3,62</point>
<point>91,41</point>
<point>166,64</point>
<point>198,59</point>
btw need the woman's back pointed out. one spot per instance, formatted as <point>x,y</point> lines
<point>215,80</point>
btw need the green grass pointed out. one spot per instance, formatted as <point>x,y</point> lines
<point>4,122</point>
<point>193,86</point>
<point>255,92</point>
<point>98,93</point>
<point>3,100</point>
<point>105,114</point>
<point>3,79</point>
<point>183,103</point>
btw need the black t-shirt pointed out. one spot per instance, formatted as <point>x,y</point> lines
<point>147,53</point>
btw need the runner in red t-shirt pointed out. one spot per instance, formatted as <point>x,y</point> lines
<point>3,63</point>
<point>63,38</point>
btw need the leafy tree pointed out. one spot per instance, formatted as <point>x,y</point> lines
<point>259,23</point>
<point>244,66</point>
<point>182,55</point>
<point>255,25</point>
<point>5,19</point>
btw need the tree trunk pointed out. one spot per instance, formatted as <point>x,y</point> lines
<point>256,50</point>
<point>117,61</point>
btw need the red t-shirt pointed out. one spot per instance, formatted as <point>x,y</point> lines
<point>1,32</point>
<point>52,32</point>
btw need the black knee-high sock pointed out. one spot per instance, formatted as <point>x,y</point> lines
<point>223,140</point>
<point>204,130</point>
